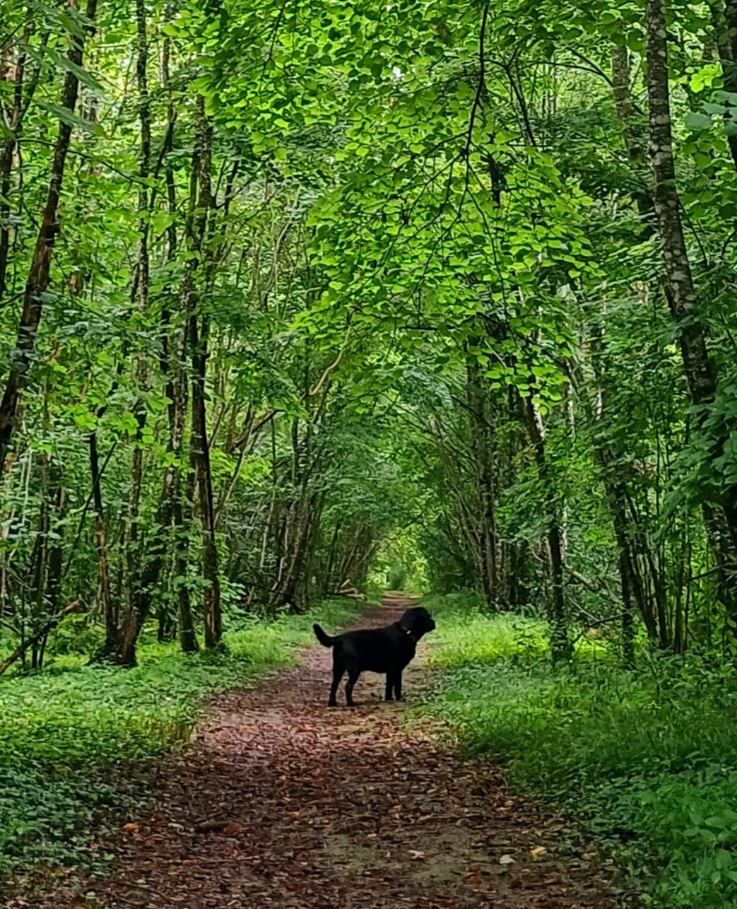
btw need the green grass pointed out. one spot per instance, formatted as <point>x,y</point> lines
<point>647,760</point>
<point>66,733</point>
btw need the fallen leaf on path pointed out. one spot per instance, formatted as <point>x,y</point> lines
<point>278,807</point>
<point>221,826</point>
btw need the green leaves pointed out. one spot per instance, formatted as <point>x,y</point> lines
<point>699,121</point>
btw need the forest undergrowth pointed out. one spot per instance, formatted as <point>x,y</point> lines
<point>646,760</point>
<point>74,739</point>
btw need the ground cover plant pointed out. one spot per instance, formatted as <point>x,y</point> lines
<point>69,738</point>
<point>646,760</point>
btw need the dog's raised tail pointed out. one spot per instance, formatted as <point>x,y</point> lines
<point>323,638</point>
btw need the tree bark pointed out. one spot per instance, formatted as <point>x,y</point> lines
<point>721,524</point>
<point>632,135</point>
<point>103,585</point>
<point>39,274</point>
<point>558,613</point>
<point>201,453</point>
<point>7,149</point>
<point>141,298</point>
<point>199,339</point>
<point>726,59</point>
<point>730,16</point>
<point>482,454</point>
<point>174,348</point>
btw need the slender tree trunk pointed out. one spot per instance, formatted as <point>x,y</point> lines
<point>44,631</point>
<point>561,645</point>
<point>24,88</point>
<point>199,340</point>
<point>699,370</point>
<point>201,454</point>
<point>7,149</point>
<point>173,492</point>
<point>483,444</point>
<point>39,274</point>
<point>39,561</point>
<point>729,67</point>
<point>614,481</point>
<point>633,135</point>
<point>730,16</point>
<point>141,298</point>
<point>146,581</point>
<point>174,348</point>
<point>103,586</point>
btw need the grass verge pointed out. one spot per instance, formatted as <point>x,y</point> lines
<point>646,760</point>
<point>66,733</point>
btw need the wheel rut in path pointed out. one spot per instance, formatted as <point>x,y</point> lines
<point>281,802</point>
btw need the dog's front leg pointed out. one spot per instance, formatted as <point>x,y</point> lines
<point>398,686</point>
<point>389,687</point>
<point>353,675</point>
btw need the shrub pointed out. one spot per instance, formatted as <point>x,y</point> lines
<point>645,760</point>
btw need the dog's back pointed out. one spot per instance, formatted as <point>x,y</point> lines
<point>375,649</point>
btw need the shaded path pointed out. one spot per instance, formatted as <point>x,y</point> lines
<point>283,803</point>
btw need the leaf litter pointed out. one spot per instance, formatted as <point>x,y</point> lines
<point>281,802</point>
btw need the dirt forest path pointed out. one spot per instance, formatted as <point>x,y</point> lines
<point>281,802</point>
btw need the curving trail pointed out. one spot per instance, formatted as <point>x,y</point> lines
<point>283,803</point>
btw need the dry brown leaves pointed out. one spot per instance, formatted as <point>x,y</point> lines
<point>283,803</point>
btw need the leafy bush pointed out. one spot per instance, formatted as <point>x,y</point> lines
<point>468,633</point>
<point>647,760</point>
<point>61,733</point>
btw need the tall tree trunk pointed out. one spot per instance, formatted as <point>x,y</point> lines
<point>24,88</point>
<point>39,274</point>
<point>39,562</point>
<point>146,581</point>
<point>729,67</point>
<point>199,339</point>
<point>627,534</point>
<point>144,572</point>
<point>174,348</point>
<point>141,298</point>
<point>201,454</point>
<point>483,454</point>
<point>7,150</point>
<point>721,523</point>
<point>103,578</point>
<point>46,558</point>
<point>558,613</point>
<point>632,134</point>
<point>730,15</point>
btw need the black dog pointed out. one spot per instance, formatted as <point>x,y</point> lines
<point>385,650</point>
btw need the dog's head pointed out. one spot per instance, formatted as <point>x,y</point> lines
<point>417,621</point>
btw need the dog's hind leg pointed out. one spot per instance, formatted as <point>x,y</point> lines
<point>338,670</point>
<point>353,676</point>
